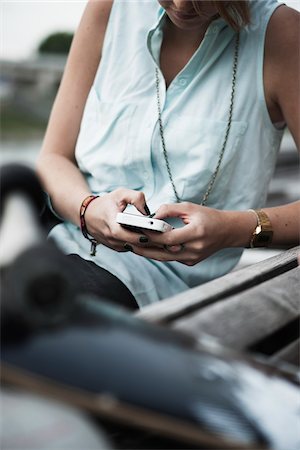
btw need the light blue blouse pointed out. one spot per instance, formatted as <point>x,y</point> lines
<point>119,142</point>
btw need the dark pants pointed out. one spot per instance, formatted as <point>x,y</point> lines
<point>95,280</point>
<point>91,278</point>
<point>16,179</point>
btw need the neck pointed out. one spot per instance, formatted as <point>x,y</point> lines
<point>181,38</point>
<point>178,47</point>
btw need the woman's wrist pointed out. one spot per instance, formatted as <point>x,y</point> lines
<point>82,210</point>
<point>238,228</point>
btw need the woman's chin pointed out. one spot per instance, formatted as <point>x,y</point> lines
<point>187,23</point>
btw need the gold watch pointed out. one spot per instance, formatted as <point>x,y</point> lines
<point>263,233</point>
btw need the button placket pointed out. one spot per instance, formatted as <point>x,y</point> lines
<point>182,81</point>
<point>146,175</point>
<point>144,144</point>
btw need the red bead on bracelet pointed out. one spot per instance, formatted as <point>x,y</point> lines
<point>83,208</point>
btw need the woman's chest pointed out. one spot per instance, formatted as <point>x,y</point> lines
<point>174,57</point>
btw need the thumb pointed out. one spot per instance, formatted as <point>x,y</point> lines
<point>170,210</point>
<point>135,198</point>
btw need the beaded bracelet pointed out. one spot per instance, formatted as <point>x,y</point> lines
<point>83,208</point>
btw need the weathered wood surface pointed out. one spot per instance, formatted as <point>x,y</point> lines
<point>253,317</point>
<point>217,290</point>
<point>290,354</point>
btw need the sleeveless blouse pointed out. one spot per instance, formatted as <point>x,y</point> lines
<point>119,143</point>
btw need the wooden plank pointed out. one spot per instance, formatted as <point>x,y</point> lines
<point>252,318</point>
<point>289,354</point>
<point>219,289</point>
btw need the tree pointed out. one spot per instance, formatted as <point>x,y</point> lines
<point>56,43</point>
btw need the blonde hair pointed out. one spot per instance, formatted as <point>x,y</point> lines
<point>236,13</point>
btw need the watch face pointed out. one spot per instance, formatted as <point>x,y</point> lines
<point>264,238</point>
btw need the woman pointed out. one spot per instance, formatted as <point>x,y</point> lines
<point>184,117</point>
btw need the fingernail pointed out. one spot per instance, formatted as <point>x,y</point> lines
<point>143,239</point>
<point>128,247</point>
<point>147,210</point>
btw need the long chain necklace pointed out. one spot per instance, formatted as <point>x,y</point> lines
<point>229,121</point>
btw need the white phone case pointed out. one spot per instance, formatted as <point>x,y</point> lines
<point>138,222</point>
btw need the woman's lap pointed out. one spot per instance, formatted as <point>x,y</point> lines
<point>97,281</point>
<point>91,278</point>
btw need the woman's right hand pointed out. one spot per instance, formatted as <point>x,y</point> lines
<point>100,218</point>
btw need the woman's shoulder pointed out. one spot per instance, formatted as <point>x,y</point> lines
<point>283,37</point>
<point>284,27</point>
<point>100,7</point>
<point>99,11</point>
<point>260,13</point>
<point>282,50</point>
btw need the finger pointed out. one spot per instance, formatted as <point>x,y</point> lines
<point>172,210</point>
<point>135,198</point>
<point>154,253</point>
<point>177,236</point>
<point>163,255</point>
<point>174,248</point>
<point>117,235</point>
<point>119,246</point>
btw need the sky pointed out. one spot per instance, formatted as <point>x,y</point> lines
<point>25,23</point>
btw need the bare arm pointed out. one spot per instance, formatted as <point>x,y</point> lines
<point>282,92</point>
<point>56,163</point>
<point>282,69</point>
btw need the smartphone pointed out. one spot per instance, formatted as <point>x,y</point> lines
<point>138,222</point>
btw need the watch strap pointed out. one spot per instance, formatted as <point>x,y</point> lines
<point>263,233</point>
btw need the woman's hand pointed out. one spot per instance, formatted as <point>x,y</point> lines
<point>101,222</point>
<point>206,231</point>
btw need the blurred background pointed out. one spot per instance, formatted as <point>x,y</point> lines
<point>35,40</point>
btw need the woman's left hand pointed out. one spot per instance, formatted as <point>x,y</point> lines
<point>202,235</point>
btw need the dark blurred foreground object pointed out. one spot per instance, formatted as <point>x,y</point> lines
<point>37,284</point>
<point>116,366</point>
